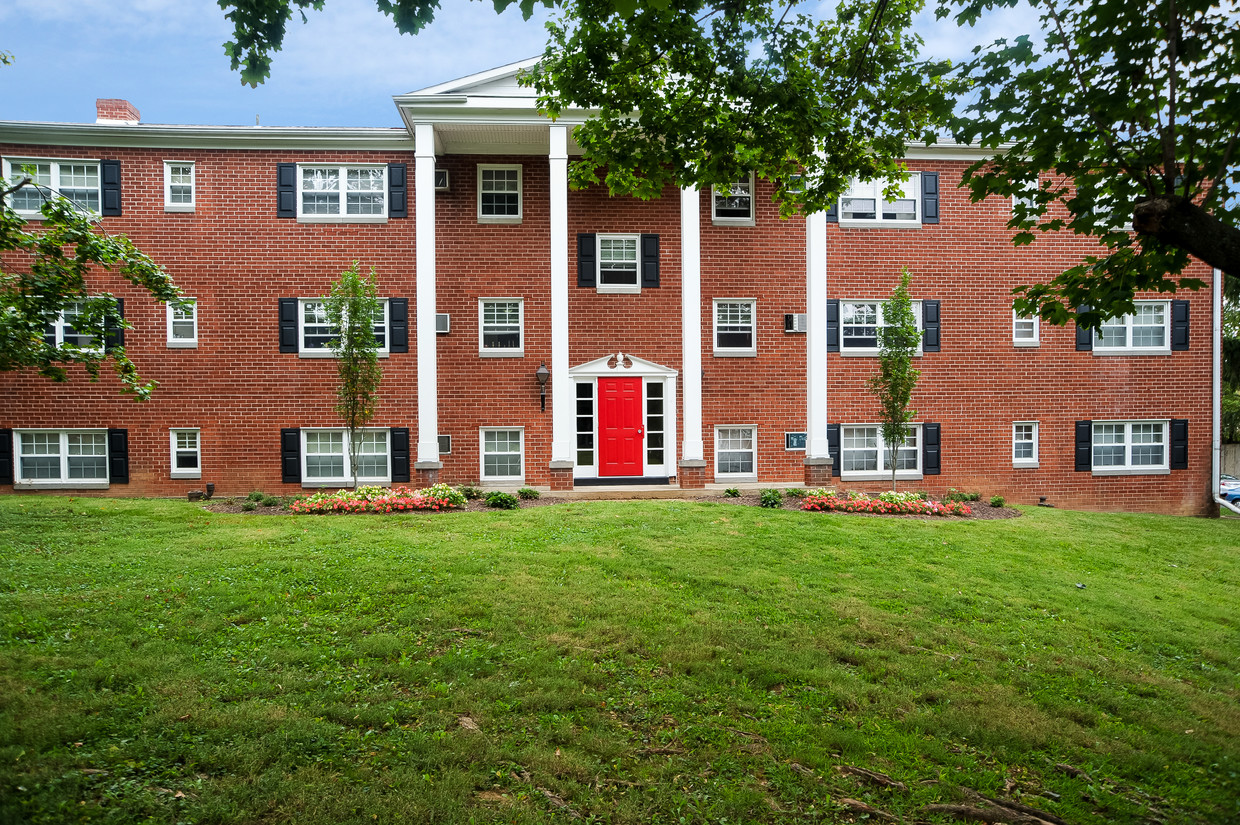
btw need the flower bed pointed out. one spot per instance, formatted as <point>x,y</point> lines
<point>380,500</point>
<point>907,507</point>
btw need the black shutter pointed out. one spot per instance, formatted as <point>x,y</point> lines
<point>929,197</point>
<point>1084,446</point>
<point>931,450</point>
<point>399,445</point>
<point>930,323</point>
<point>286,190</point>
<point>833,212</point>
<point>398,190</point>
<point>6,456</point>
<point>1179,326</point>
<point>290,455</point>
<point>1179,443</point>
<point>1084,335</point>
<point>833,326</point>
<point>833,448</point>
<point>113,333</point>
<point>398,325</point>
<point>110,186</point>
<point>587,263</point>
<point>650,261</point>
<point>288,325</point>
<point>118,456</point>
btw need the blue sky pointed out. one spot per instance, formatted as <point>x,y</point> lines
<point>167,58</point>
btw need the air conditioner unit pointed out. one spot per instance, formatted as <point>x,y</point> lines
<point>795,322</point>
<point>445,445</point>
<point>443,323</point>
<point>441,180</point>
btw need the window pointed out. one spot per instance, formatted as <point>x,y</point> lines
<point>317,334</point>
<point>179,187</point>
<point>654,424</point>
<point>186,461</point>
<point>1144,331</point>
<point>502,454</point>
<point>1025,444</point>
<point>1024,330</point>
<point>733,204</point>
<point>76,180</point>
<point>356,194</point>
<point>1026,197</point>
<point>864,454</point>
<point>65,458</point>
<point>1120,446</point>
<point>863,204</point>
<point>499,194</point>
<point>183,324</point>
<point>585,423</point>
<point>326,453</point>
<point>734,327</point>
<point>62,331</point>
<point>735,453</point>
<point>617,264</point>
<point>500,325</point>
<point>859,325</point>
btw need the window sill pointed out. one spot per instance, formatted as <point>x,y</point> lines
<point>503,353</point>
<point>1025,465</point>
<point>499,220</point>
<point>721,478</point>
<point>186,474</point>
<point>517,481</point>
<point>1026,344</point>
<point>867,353</point>
<point>342,219</point>
<point>619,290</point>
<point>1133,471</point>
<point>182,208</point>
<point>865,224</point>
<point>1131,351</point>
<point>733,221</point>
<point>314,354</point>
<point>902,475</point>
<point>736,353</point>
<point>76,484</point>
<point>182,345</point>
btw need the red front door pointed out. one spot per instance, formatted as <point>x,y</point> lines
<point>621,431</point>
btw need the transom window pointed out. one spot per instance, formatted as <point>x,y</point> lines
<point>617,263</point>
<point>179,186</point>
<point>864,203</point>
<point>499,194</point>
<point>733,203</point>
<point>186,461</point>
<point>75,180</point>
<point>342,193</point>
<point>1147,329</point>
<point>500,326</point>
<point>326,454</point>
<point>51,457</point>
<point>317,333</point>
<point>734,327</point>
<point>1024,330</point>
<point>1025,444</point>
<point>183,324</point>
<point>502,457</point>
<point>864,453</point>
<point>860,322</point>
<point>1124,445</point>
<point>735,453</point>
<point>64,330</point>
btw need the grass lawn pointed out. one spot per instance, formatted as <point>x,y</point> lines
<point>626,662</point>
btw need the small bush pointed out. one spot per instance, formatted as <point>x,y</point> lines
<point>528,493</point>
<point>956,495</point>
<point>249,505</point>
<point>795,492</point>
<point>470,492</point>
<point>997,501</point>
<point>818,492</point>
<point>256,496</point>
<point>501,500</point>
<point>771,498</point>
<point>270,501</point>
<point>893,497</point>
<point>732,492</point>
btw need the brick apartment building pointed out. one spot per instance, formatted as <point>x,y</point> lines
<point>695,339</point>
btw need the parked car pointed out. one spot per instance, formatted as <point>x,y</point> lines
<point>1228,484</point>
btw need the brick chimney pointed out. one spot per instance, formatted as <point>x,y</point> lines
<point>114,110</point>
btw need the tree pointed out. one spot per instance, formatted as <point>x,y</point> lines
<point>352,307</point>
<point>1129,111</point>
<point>893,384</point>
<point>44,278</point>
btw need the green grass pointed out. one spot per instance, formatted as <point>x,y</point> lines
<point>637,662</point>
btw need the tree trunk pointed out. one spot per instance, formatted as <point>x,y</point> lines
<point>1180,222</point>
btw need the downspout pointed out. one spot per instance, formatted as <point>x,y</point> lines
<point>1216,452</point>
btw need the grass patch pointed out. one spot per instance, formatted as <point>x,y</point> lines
<point>632,661</point>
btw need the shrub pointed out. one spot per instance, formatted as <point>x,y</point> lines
<point>270,501</point>
<point>732,492</point>
<point>470,492</point>
<point>381,500</point>
<point>249,505</point>
<point>820,492</point>
<point>528,493</point>
<point>795,492</point>
<point>893,497</point>
<point>501,500</point>
<point>956,495</point>
<point>255,495</point>
<point>823,504</point>
<point>771,498</point>
<point>997,501</point>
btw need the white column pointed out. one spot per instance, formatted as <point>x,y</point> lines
<point>816,335</point>
<point>424,227</point>
<point>691,321</point>
<point>563,394</point>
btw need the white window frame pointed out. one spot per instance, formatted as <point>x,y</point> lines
<point>716,194</point>
<point>482,455</point>
<point>11,164</point>
<point>176,448</point>
<point>1024,461</point>
<point>342,177</point>
<point>170,312</point>
<point>1031,321</point>
<point>502,219</point>
<point>1127,322</point>
<point>501,352</point>
<point>63,482</point>
<point>736,352</point>
<point>1127,468</point>
<point>873,189</point>
<point>58,329</point>
<point>848,351</point>
<point>326,352</point>
<point>345,480</point>
<point>753,438</point>
<point>619,289</point>
<point>884,470</point>
<point>169,206</point>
